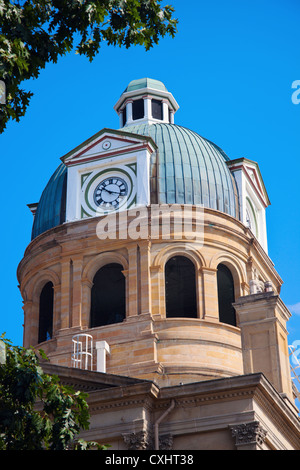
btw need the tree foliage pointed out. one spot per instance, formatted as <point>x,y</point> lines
<point>36,411</point>
<point>35,32</point>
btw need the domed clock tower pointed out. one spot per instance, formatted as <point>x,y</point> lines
<point>148,267</point>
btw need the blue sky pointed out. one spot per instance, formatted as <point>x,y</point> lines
<point>231,69</point>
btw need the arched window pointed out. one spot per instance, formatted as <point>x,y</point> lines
<point>226,295</point>
<point>46,313</point>
<point>108,300</point>
<point>180,282</point>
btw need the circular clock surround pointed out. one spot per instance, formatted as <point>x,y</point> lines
<point>107,191</point>
<point>110,192</point>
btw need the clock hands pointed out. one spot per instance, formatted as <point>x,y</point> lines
<point>110,192</point>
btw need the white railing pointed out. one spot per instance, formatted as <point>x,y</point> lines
<point>82,356</point>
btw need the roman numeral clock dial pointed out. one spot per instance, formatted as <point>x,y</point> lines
<point>110,193</point>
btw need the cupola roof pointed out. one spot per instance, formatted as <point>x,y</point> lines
<point>145,83</point>
<point>146,89</point>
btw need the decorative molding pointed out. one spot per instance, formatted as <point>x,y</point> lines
<point>191,402</point>
<point>122,139</point>
<point>166,442</point>
<point>138,441</point>
<point>248,433</point>
<point>110,404</point>
<point>102,259</point>
<point>143,440</point>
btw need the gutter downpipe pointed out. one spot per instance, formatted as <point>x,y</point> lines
<point>158,421</point>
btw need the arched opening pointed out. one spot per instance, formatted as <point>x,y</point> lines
<point>46,313</point>
<point>180,288</point>
<point>108,299</point>
<point>226,295</point>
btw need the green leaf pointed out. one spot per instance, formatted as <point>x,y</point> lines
<point>55,423</point>
<point>34,33</point>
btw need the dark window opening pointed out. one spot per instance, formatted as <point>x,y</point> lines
<point>157,109</point>
<point>180,282</point>
<point>108,300</point>
<point>138,109</point>
<point>46,313</point>
<point>226,295</point>
<point>124,116</point>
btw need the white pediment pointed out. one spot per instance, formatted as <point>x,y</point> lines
<point>253,177</point>
<point>256,181</point>
<point>107,143</point>
<point>253,197</point>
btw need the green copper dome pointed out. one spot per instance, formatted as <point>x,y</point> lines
<point>145,83</point>
<point>186,169</point>
<point>51,209</point>
<point>190,169</point>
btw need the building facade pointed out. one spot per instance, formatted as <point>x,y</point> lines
<point>148,283</point>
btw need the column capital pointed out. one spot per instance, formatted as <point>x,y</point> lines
<point>138,441</point>
<point>249,435</point>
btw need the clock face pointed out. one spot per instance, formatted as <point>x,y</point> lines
<point>110,193</point>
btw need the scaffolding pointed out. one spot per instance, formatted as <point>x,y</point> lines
<point>82,356</point>
<point>295,371</point>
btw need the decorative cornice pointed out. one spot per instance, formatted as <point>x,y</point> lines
<point>107,133</point>
<point>191,402</point>
<point>119,404</point>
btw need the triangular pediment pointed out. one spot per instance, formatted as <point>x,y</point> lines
<point>253,175</point>
<point>107,143</point>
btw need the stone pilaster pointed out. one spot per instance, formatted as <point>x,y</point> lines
<point>77,291</point>
<point>210,294</point>
<point>262,319</point>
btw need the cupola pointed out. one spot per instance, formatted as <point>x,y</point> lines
<point>146,101</point>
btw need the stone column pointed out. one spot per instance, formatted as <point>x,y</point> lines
<point>210,294</point>
<point>200,294</point>
<point>86,303</point>
<point>77,291</point>
<point>147,107</point>
<point>262,319</point>
<point>156,291</point>
<point>121,119</point>
<point>129,111</point>
<point>65,305</point>
<point>56,308</point>
<point>165,111</point>
<point>30,333</point>
<point>144,275</point>
<point>131,280</point>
